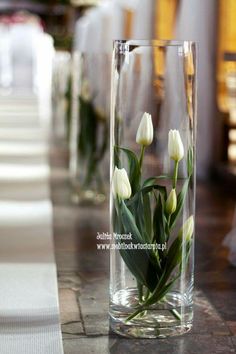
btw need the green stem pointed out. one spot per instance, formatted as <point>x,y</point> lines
<point>91,168</point>
<point>134,314</point>
<point>175,176</point>
<point>168,220</point>
<point>147,294</point>
<point>140,292</point>
<point>141,157</point>
<point>168,227</point>
<point>99,180</point>
<point>176,314</point>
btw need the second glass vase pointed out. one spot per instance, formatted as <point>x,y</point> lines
<point>90,127</point>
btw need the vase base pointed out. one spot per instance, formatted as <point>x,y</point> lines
<point>88,197</point>
<point>135,331</point>
<point>172,316</point>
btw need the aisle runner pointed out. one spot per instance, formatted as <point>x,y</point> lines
<point>29,311</point>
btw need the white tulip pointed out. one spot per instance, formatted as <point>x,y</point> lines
<point>188,228</point>
<point>144,134</point>
<point>175,146</point>
<point>171,202</point>
<point>120,184</point>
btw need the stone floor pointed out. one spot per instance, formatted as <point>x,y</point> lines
<point>83,274</point>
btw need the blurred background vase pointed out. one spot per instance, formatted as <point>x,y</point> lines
<point>153,199</point>
<point>61,95</point>
<point>89,138</point>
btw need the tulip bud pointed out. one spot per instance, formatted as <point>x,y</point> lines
<point>120,184</point>
<point>175,146</point>
<point>187,229</point>
<point>100,112</point>
<point>85,91</point>
<point>171,202</point>
<point>144,134</point>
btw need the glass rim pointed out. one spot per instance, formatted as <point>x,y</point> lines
<point>154,42</point>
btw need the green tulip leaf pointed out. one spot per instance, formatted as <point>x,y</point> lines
<point>147,213</point>
<point>133,200</point>
<point>159,223</point>
<point>152,180</point>
<point>138,260</point>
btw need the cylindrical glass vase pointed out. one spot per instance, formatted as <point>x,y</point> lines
<point>153,130</point>
<point>89,140</point>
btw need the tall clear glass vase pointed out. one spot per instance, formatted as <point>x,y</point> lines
<point>89,140</point>
<point>152,201</point>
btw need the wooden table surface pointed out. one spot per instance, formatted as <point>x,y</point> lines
<point>83,274</point>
